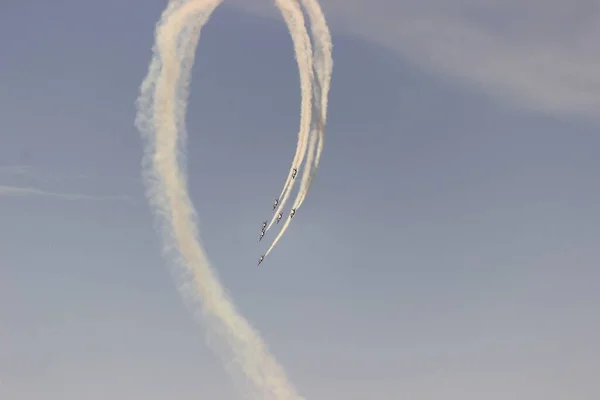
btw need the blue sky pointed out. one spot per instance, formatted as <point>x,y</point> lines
<point>447,249</point>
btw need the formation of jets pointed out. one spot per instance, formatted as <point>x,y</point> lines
<point>279,217</point>
<point>262,230</point>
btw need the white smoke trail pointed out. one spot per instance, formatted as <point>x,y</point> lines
<point>304,185</point>
<point>306,177</point>
<point>161,108</point>
<point>323,64</point>
<point>291,11</point>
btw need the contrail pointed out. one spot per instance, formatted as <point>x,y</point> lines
<point>161,108</point>
<point>30,172</point>
<point>31,191</point>
<point>323,64</point>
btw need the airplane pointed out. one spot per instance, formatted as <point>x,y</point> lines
<point>293,213</point>
<point>294,172</point>
<point>260,259</point>
<point>264,226</point>
<point>279,217</point>
<point>261,236</point>
<point>275,203</point>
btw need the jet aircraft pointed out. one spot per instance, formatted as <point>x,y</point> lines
<point>293,213</point>
<point>264,226</point>
<point>279,217</point>
<point>294,172</point>
<point>275,203</point>
<point>260,260</point>
<point>261,236</point>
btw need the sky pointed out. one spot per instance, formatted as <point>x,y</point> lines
<point>447,249</point>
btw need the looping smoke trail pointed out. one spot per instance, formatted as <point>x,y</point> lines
<point>161,109</point>
<point>302,46</point>
<point>323,64</point>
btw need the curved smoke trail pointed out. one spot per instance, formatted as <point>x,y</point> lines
<point>324,67</point>
<point>323,64</point>
<point>161,109</point>
<point>306,84</point>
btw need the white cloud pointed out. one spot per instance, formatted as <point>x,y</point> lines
<point>538,54</point>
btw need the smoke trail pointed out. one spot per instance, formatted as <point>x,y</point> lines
<point>306,178</point>
<point>160,119</point>
<point>302,46</point>
<point>323,64</point>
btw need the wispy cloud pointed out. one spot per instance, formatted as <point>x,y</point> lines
<point>537,54</point>
<point>30,172</point>
<point>31,191</point>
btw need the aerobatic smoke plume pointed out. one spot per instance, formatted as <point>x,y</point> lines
<point>323,65</point>
<point>302,48</point>
<point>161,109</point>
